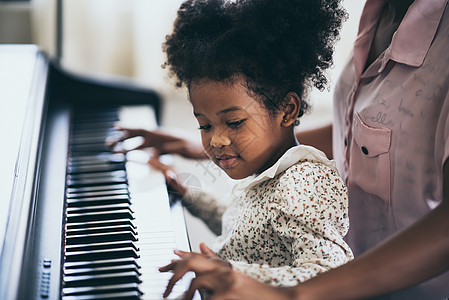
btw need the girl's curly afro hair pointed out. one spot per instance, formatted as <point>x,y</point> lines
<point>279,46</point>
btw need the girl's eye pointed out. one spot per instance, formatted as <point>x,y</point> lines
<point>236,124</point>
<point>204,127</point>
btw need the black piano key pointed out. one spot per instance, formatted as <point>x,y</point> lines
<point>97,208</point>
<point>101,119</point>
<point>117,222</point>
<point>98,201</point>
<point>98,194</point>
<point>87,139</point>
<point>82,136</point>
<point>93,113</point>
<point>101,289</point>
<point>100,237</point>
<point>114,174</point>
<point>131,295</point>
<point>95,136</point>
<point>90,126</point>
<point>81,189</point>
<point>100,181</point>
<point>98,157</point>
<point>101,279</point>
<point>92,147</point>
<point>85,129</point>
<point>101,254</point>
<point>95,168</point>
<point>101,263</point>
<point>97,246</point>
<point>102,270</point>
<point>119,173</point>
<point>104,229</point>
<point>98,216</point>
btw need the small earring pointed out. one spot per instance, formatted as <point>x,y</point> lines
<point>285,120</point>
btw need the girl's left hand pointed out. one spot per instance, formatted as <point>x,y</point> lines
<point>169,174</point>
<point>206,263</point>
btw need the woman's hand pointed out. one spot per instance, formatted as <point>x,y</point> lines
<point>162,142</point>
<point>217,277</point>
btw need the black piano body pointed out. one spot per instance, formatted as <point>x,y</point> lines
<point>33,236</point>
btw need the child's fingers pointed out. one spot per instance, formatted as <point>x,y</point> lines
<point>180,253</point>
<point>206,250</point>
<point>199,282</point>
<point>171,266</point>
<point>174,183</point>
<point>215,282</point>
<point>158,165</point>
<point>178,274</point>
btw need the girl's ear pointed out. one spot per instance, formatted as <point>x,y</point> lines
<point>291,110</point>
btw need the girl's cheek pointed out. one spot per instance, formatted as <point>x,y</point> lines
<point>245,139</point>
<point>205,140</point>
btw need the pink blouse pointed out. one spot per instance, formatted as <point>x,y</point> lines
<point>391,128</point>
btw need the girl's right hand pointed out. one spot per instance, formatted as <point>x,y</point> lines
<point>217,277</point>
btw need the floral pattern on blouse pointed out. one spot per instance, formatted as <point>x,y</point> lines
<point>287,226</point>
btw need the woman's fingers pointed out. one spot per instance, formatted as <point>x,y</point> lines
<point>175,147</point>
<point>117,141</point>
<point>164,142</point>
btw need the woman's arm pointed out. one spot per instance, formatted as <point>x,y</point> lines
<point>163,142</point>
<point>320,138</point>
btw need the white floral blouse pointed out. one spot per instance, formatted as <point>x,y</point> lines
<point>285,225</point>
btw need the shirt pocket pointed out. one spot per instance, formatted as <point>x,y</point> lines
<point>369,167</point>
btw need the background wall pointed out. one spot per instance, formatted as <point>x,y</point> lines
<point>124,38</point>
<point>15,23</point>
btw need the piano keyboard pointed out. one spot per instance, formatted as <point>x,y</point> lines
<point>120,227</point>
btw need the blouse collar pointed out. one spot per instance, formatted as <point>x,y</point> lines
<point>416,31</point>
<point>289,158</point>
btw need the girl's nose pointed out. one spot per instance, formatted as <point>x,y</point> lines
<point>220,140</point>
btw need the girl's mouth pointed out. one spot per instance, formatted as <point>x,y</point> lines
<point>226,161</point>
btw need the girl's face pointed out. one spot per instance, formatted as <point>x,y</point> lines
<point>238,133</point>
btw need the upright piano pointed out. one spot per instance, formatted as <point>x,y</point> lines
<point>77,220</point>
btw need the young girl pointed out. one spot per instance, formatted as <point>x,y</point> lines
<point>247,65</point>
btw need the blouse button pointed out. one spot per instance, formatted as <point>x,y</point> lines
<point>364,150</point>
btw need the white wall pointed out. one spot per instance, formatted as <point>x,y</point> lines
<point>124,37</point>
